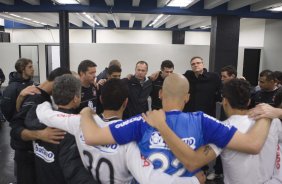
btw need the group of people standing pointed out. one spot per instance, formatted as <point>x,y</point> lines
<point>57,151</point>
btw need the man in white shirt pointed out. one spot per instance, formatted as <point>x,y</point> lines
<point>109,163</point>
<point>238,167</point>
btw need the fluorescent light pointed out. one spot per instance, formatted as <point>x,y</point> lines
<point>279,8</point>
<point>156,20</point>
<point>205,27</point>
<point>67,1</point>
<point>90,18</point>
<point>179,3</point>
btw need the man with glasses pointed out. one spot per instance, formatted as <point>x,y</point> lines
<point>204,88</point>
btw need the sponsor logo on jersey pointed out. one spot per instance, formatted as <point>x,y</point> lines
<point>157,142</point>
<point>40,151</point>
<point>278,154</point>
<point>124,123</point>
<point>110,148</point>
<point>146,162</point>
<point>66,115</point>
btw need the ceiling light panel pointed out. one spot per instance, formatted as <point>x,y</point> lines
<point>67,1</point>
<point>179,3</point>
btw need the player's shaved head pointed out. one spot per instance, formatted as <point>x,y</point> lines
<point>175,86</point>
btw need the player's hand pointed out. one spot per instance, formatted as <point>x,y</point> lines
<point>263,111</point>
<point>51,135</point>
<point>30,90</point>
<point>101,82</point>
<point>201,177</point>
<point>154,75</point>
<point>87,111</point>
<point>129,76</point>
<point>155,118</point>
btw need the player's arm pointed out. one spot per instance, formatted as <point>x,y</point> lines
<point>143,170</point>
<point>265,111</point>
<point>51,118</point>
<point>191,159</point>
<point>93,134</point>
<point>29,90</point>
<point>252,141</point>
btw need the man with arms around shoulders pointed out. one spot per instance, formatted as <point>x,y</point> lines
<point>140,88</point>
<point>167,68</point>
<point>114,72</point>
<point>22,137</point>
<point>253,168</point>
<point>195,129</point>
<point>204,88</point>
<point>111,163</point>
<point>87,73</point>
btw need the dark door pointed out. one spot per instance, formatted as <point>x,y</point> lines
<point>251,65</point>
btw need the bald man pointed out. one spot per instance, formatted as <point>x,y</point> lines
<point>194,129</point>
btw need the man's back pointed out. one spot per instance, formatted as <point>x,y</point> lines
<point>240,168</point>
<point>270,155</point>
<point>109,163</point>
<point>195,129</point>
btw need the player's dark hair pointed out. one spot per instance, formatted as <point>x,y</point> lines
<point>237,92</point>
<point>113,94</point>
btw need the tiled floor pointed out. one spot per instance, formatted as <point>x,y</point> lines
<point>7,155</point>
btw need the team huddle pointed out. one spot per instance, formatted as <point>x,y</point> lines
<point>74,130</point>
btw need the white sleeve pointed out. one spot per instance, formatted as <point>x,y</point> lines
<point>67,122</point>
<point>143,171</point>
<point>277,173</point>
<point>216,149</point>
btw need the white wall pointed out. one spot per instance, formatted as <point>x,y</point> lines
<point>102,54</point>
<point>252,32</point>
<point>134,36</point>
<point>272,52</point>
<point>197,38</point>
<point>48,35</point>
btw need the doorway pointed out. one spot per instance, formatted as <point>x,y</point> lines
<point>251,65</point>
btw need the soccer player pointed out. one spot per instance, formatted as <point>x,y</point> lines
<point>111,163</point>
<point>260,168</point>
<point>195,129</point>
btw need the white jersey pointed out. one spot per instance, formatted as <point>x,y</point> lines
<point>110,163</point>
<point>240,168</point>
<point>270,155</point>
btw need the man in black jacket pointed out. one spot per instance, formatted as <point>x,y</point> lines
<point>139,91</point>
<point>87,73</point>
<point>167,68</point>
<point>17,81</point>
<point>21,137</point>
<point>204,88</point>
<point>59,163</point>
